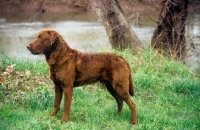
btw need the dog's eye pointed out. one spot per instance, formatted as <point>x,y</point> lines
<point>39,37</point>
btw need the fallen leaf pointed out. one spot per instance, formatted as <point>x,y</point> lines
<point>27,72</point>
<point>10,68</point>
<point>5,73</point>
<point>17,82</point>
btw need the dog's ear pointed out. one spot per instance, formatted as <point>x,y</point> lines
<point>53,35</point>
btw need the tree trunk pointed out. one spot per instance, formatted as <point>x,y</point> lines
<point>118,30</point>
<point>169,35</point>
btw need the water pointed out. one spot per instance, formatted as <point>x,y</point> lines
<point>81,31</point>
<point>81,35</point>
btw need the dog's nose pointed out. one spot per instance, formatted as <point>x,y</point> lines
<point>28,46</point>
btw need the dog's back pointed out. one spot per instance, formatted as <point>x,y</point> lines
<point>103,67</point>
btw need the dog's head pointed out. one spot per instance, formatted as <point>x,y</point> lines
<point>43,41</point>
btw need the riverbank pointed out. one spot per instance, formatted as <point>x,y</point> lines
<point>9,6</point>
<point>167,97</point>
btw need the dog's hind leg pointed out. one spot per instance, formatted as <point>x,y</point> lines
<point>118,99</point>
<point>124,93</point>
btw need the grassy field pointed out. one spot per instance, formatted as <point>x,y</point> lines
<point>167,97</point>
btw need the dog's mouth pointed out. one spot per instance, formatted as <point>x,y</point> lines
<point>34,52</point>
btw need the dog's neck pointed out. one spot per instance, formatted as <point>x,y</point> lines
<point>58,53</point>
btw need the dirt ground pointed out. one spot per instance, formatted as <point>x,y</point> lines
<point>9,6</point>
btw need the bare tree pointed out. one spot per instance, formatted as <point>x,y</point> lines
<point>118,30</point>
<point>169,35</point>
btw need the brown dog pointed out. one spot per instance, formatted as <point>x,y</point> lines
<point>70,68</point>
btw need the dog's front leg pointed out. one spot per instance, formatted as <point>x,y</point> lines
<point>67,103</point>
<point>57,100</point>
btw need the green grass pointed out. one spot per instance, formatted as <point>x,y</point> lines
<point>35,66</point>
<point>167,97</point>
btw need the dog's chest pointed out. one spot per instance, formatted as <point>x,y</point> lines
<point>53,77</point>
<point>56,78</point>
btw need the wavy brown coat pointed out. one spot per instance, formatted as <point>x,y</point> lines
<point>71,68</point>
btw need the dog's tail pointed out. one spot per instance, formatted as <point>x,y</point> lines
<point>131,87</point>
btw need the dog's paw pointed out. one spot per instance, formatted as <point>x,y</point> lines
<point>54,112</point>
<point>117,112</point>
<point>64,120</point>
<point>51,114</point>
<point>133,122</point>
